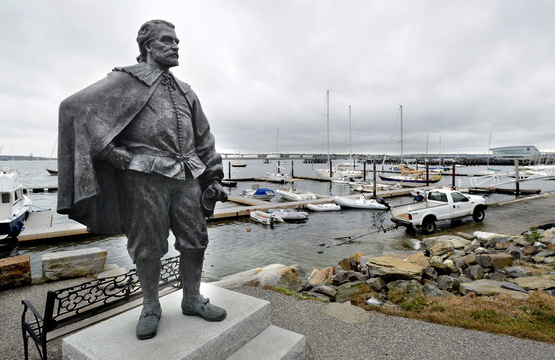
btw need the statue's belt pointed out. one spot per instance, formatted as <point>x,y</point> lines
<point>162,153</point>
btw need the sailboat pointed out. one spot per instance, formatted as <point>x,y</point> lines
<point>490,171</point>
<point>401,166</point>
<point>278,175</point>
<point>51,170</point>
<point>341,171</point>
<point>407,176</point>
<point>238,164</point>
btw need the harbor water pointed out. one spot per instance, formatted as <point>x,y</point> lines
<point>238,244</point>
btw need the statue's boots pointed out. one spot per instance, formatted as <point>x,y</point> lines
<point>149,277</point>
<point>193,302</point>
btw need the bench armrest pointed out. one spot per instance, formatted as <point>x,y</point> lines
<point>33,329</point>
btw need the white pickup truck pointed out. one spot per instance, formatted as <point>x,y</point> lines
<point>440,204</point>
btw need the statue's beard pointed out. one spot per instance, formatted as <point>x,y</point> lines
<point>168,60</point>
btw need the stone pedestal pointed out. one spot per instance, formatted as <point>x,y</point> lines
<point>246,333</point>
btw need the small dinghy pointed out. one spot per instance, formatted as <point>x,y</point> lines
<point>362,203</point>
<point>257,193</point>
<point>324,207</point>
<point>264,217</point>
<point>290,214</point>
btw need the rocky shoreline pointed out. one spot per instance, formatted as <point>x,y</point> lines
<point>448,265</point>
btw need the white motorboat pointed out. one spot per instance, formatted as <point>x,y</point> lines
<point>290,214</point>
<point>15,206</point>
<point>257,193</point>
<point>361,203</point>
<point>291,193</point>
<point>324,207</point>
<point>279,177</point>
<point>264,217</point>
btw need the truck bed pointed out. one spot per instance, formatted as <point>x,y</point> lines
<point>403,210</point>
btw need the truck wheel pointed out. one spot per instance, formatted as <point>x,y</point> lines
<point>479,214</point>
<point>429,226</point>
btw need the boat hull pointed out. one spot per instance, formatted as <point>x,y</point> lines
<point>410,180</point>
<point>13,226</point>
<point>360,203</point>
<point>338,173</point>
<point>264,218</point>
<point>292,196</point>
<point>324,207</point>
<point>257,193</point>
<point>289,215</point>
<point>15,205</point>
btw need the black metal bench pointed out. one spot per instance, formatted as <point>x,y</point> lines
<point>70,305</point>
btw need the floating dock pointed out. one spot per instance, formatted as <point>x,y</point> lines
<point>39,227</point>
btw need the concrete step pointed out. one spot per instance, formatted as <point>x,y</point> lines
<point>273,344</point>
<point>185,337</point>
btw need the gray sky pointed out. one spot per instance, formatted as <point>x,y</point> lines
<point>461,69</point>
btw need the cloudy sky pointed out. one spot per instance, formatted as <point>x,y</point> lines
<point>463,71</point>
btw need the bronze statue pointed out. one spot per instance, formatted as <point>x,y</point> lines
<point>135,156</point>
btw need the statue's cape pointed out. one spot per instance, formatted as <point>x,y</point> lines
<point>88,188</point>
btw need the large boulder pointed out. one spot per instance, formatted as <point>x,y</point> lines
<point>341,276</point>
<point>355,291</point>
<point>430,289</point>
<point>419,259</point>
<point>483,236</point>
<point>275,275</point>
<point>392,269</point>
<point>445,244</point>
<point>322,276</point>
<point>72,264</point>
<point>400,289</point>
<point>535,282</point>
<point>495,260</point>
<point>491,287</point>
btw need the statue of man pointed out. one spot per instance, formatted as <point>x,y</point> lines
<point>135,156</point>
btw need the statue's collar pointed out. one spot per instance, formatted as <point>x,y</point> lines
<point>144,72</point>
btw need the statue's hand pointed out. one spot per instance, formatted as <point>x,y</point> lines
<point>221,195</point>
<point>119,157</point>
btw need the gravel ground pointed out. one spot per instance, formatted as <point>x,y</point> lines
<point>331,333</point>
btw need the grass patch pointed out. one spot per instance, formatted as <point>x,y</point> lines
<point>288,292</point>
<point>532,319</point>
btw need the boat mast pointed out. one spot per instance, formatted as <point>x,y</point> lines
<point>440,158</point>
<point>328,120</point>
<point>489,148</point>
<point>277,143</point>
<point>401,112</point>
<point>350,134</point>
